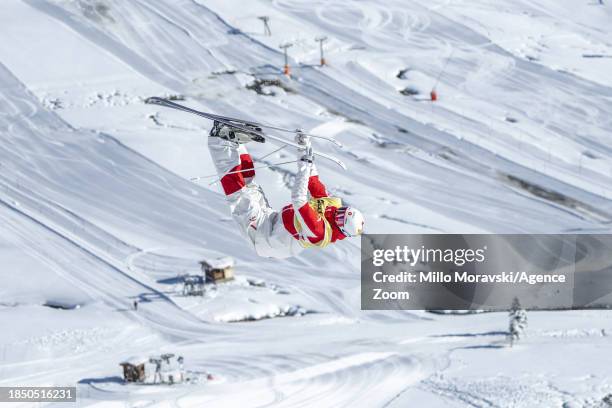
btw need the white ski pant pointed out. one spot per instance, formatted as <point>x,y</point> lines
<point>257,221</point>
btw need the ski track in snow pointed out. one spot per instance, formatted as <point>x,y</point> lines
<point>95,195</point>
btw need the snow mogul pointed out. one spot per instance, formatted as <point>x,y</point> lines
<point>312,220</point>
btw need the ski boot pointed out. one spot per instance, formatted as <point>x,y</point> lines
<point>234,135</point>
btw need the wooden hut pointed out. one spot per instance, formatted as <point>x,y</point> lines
<point>218,270</point>
<point>160,369</point>
<point>134,370</point>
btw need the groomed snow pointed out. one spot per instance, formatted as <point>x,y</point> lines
<point>97,209</point>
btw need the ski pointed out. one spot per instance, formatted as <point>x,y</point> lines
<point>281,129</point>
<point>265,125</point>
<point>252,128</point>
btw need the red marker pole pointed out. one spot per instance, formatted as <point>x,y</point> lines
<point>286,69</point>
<point>321,40</point>
<point>433,95</point>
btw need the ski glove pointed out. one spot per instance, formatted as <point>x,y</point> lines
<point>304,152</point>
<point>303,140</point>
<point>307,155</point>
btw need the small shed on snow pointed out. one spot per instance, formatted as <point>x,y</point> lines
<point>160,369</point>
<point>134,369</point>
<point>218,270</point>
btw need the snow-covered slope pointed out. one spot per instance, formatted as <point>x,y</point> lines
<point>97,209</point>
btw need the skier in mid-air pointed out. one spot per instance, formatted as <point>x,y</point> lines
<point>313,222</point>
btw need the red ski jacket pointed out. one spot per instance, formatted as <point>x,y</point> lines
<point>308,225</point>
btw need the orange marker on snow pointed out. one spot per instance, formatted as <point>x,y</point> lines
<point>321,40</point>
<point>433,95</point>
<point>286,69</point>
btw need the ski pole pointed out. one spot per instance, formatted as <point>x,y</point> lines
<point>271,153</point>
<point>240,171</point>
<point>443,68</point>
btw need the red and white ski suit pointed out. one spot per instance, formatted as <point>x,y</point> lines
<point>273,233</point>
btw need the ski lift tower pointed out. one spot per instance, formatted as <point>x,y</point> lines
<point>284,47</point>
<point>265,20</point>
<point>321,40</point>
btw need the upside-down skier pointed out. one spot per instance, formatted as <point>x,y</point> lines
<point>312,220</point>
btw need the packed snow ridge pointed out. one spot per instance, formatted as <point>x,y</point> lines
<point>100,221</point>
